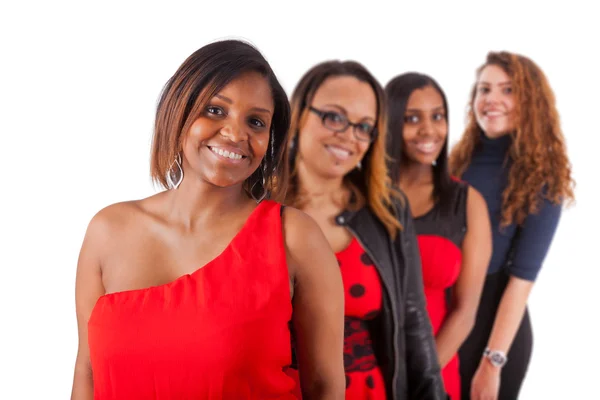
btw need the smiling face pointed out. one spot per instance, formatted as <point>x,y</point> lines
<point>228,141</point>
<point>325,151</point>
<point>425,126</point>
<point>494,102</point>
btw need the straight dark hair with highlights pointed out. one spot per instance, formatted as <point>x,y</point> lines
<point>201,76</point>
<point>398,91</point>
<point>371,181</point>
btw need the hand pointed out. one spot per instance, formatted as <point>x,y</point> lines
<point>486,382</point>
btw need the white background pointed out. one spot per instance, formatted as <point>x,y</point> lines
<point>78,88</point>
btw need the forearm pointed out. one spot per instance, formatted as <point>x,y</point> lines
<point>510,314</point>
<point>83,384</point>
<point>323,391</point>
<point>452,334</point>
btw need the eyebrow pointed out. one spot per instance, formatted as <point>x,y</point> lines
<point>421,110</point>
<point>261,110</point>
<point>343,110</point>
<point>225,99</point>
<point>500,84</point>
<point>256,109</point>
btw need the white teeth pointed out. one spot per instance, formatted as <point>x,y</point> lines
<point>493,113</point>
<point>225,153</point>
<point>426,147</point>
<point>338,152</point>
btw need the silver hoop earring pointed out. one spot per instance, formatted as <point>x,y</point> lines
<point>359,165</point>
<point>264,183</point>
<point>273,145</point>
<point>175,173</point>
<point>434,163</point>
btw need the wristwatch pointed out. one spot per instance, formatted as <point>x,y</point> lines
<point>496,357</point>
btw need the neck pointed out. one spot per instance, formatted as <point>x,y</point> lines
<point>494,135</point>
<point>195,202</point>
<point>496,146</point>
<point>415,174</point>
<point>319,190</point>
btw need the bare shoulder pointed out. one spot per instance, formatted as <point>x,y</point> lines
<point>476,204</point>
<point>113,217</point>
<point>301,231</point>
<point>115,221</point>
<point>306,245</point>
<point>478,218</point>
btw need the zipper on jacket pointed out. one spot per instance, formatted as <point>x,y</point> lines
<point>394,314</point>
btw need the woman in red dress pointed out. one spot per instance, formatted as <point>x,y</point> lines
<point>339,178</point>
<point>451,219</point>
<point>189,294</point>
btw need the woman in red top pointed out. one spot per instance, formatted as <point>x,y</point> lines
<point>339,178</point>
<point>188,294</point>
<point>451,219</point>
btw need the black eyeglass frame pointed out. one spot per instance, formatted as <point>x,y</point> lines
<point>323,114</point>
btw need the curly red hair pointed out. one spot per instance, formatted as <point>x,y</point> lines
<point>538,153</point>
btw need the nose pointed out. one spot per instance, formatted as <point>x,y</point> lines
<point>347,134</point>
<point>426,128</point>
<point>234,130</point>
<point>493,96</point>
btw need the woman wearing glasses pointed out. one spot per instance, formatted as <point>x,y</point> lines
<point>339,178</point>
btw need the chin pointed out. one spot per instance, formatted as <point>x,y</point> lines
<point>496,130</point>
<point>336,171</point>
<point>223,181</point>
<point>496,133</point>
<point>424,160</point>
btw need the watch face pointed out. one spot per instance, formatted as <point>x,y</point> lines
<point>497,359</point>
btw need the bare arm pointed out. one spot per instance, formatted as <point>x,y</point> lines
<point>510,313</point>
<point>486,381</point>
<point>476,251</point>
<point>318,302</point>
<point>88,288</point>
<point>532,245</point>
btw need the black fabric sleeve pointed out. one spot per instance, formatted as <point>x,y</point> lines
<point>422,365</point>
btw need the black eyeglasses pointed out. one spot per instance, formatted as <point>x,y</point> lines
<point>363,131</point>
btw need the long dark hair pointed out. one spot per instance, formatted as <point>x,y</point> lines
<point>371,181</point>
<point>202,75</point>
<point>398,91</point>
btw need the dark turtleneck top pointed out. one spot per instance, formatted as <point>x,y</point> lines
<point>488,173</point>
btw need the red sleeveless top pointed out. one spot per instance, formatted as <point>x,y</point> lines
<point>362,303</point>
<point>440,235</point>
<point>220,332</point>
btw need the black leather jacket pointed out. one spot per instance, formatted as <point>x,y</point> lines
<point>402,336</point>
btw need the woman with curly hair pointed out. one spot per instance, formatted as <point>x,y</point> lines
<point>513,153</point>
